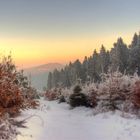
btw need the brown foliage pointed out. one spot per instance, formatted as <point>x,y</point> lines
<point>92,98</point>
<point>51,95</point>
<point>136,95</point>
<point>11,95</point>
<point>30,104</point>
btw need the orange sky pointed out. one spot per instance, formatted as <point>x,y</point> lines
<point>44,31</point>
<point>30,52</point>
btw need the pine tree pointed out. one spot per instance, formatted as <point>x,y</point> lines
<point>134,41</point>
<point>104,59</point>
<point>49,82</point>
<point>85,69</point>
<point>66,77</point>
<point>78,70</point>
<point>134,55</point>
<point>119,56</point>
<point>134,60</point>
<point>96,66</point>
<point>56,77</point>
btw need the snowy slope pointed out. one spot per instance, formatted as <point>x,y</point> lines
<point>57,122</point>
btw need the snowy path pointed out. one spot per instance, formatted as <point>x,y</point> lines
<point>57,122</point>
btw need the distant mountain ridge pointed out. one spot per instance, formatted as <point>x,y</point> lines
<point>39,74</point>
<point>44,68</point>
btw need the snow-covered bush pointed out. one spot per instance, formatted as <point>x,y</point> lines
<point>92,98</point>
<point>78,98</point>
<point>66,92</point>
<point>77,89</point>
<point>62,99</point>
<point>52,94</point>
<point>7,130</point>
<point>12,98</point>
<point>136,95</point>
<point>114,90</point>
<point>26,89</point>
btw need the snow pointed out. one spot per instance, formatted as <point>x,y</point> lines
<point>53,121</point>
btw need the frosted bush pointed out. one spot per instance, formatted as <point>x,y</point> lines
<point>7,130</point>
<point>114,92</point>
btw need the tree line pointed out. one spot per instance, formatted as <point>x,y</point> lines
<point>122,57</point>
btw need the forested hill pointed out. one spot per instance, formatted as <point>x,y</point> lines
<point>125,58</point>
<point>39,74</point>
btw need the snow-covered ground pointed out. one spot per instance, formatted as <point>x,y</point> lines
<point>54,121</point>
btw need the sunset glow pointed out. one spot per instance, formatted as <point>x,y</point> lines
<point>37,34</point>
